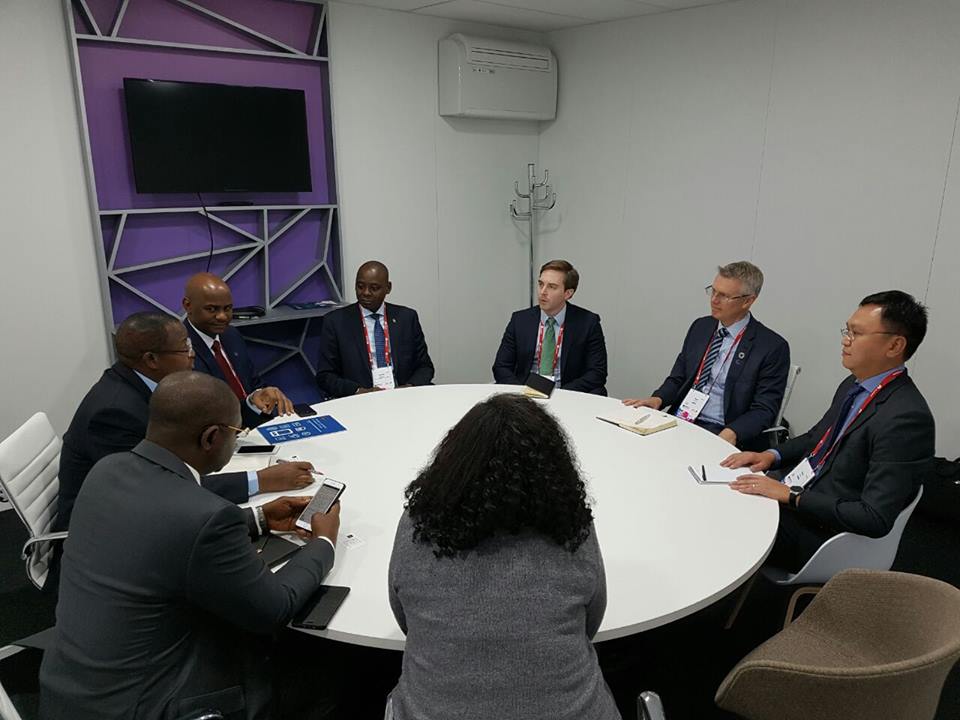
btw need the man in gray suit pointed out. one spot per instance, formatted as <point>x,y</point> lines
<point>161,591</point>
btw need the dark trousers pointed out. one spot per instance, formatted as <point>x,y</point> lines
<point>798,538</point>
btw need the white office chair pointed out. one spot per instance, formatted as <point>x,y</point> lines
<point>787,392</point>
<point>841,552</point>
<point>7,709</point>
<point>649,706</point>
<point>29,462</point>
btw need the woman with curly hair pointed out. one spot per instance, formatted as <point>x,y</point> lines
<point>496,576</point>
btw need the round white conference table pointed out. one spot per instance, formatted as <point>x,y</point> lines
<point>670,545</point>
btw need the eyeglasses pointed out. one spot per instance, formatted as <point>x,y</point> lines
<point>241,432</point>
<point>188,350</point>
<point>851,335</point>
<point>723,297</point>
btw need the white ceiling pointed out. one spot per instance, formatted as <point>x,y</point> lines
<point>539,15</point>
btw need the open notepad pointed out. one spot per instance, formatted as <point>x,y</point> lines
<point>642,422</point>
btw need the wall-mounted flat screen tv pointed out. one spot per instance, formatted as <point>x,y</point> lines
<point>188,137</point>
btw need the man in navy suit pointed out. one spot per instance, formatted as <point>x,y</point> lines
<point>372,344</point>
<point>863,463</point>
<point>222,352</point>
<point>731,372</point>
<point>554,338</point>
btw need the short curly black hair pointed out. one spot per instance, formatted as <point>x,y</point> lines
<point>505,467</point>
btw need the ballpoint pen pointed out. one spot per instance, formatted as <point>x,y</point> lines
<point>281,461</point>
<point>703,472</point>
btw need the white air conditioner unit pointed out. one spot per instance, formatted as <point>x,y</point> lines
<point>485,78</point>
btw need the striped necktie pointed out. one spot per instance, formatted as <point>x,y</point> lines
<point>712,354</point>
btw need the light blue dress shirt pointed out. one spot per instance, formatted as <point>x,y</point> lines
<point>866,387</point>
<point>713,410</point>
<point>253,483</point>
<point>559,318</point>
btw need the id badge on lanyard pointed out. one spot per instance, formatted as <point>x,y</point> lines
<point>556,353</point>
<point>382,376</point>
<point>696,400</point>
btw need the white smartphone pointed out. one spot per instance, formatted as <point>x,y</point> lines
<point>326,496</point>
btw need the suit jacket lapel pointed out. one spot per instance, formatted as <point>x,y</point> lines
<point>396,338</point>
<point>527,340</point>
<point>355,334</point>
<point>571,329</point>
<point>202,353</point>
<point>738,360</point>
<point>132,379</point>
<point>868,412</point>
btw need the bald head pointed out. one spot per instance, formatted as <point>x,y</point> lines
<point>373,284</point>
<point>189,415</point>
<point>209,303</point>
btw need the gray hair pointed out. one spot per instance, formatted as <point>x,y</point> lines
<point>746,272</point>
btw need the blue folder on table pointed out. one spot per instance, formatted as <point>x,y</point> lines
<point>300,429</point>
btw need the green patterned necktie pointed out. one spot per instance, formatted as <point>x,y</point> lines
<point>548,348</point>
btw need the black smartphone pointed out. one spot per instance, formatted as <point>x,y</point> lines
<point>256,450</point>
<point>304,410</point>
<point>540,384</point>
<point>319,610</point>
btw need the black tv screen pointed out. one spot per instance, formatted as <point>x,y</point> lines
<point>202,137</point>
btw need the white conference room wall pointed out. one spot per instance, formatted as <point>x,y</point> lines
<point>54,345</point>
<point>811,136</point>
<point>427,195</point>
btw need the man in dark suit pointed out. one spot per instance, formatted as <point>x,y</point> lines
<point>863,463</point>
<point>555,338</point>
<point>161,589</point>
<point>112,417</point>
<point>732,370</point>
<point>372,344</point>
<point>222,352</point>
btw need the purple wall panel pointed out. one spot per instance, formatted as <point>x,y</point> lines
<point>152,238</point>
<point>289,22</point>
<point>246,284</point>
<point>103,68</point>
<point>104,11</point>
<point>147,238</point>
<point>168,22</point>
<point>296,250</point>
<point>313,289</point>
<point>126,303</point>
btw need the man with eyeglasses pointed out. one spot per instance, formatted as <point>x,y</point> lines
<point>731,372</point>
<point>165,607</point>
<point>222,352</point>
<point>112,417</point>
<point>863,463</point>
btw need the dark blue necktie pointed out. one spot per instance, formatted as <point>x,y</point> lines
<point>712,354</point>
<point>837,425</point>
<point>379,341</point>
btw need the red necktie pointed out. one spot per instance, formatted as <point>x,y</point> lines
<point>232,380</point>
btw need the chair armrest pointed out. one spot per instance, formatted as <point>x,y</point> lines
<point>778,428</point>
<point>649,706</point>
<point>48,537</point>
